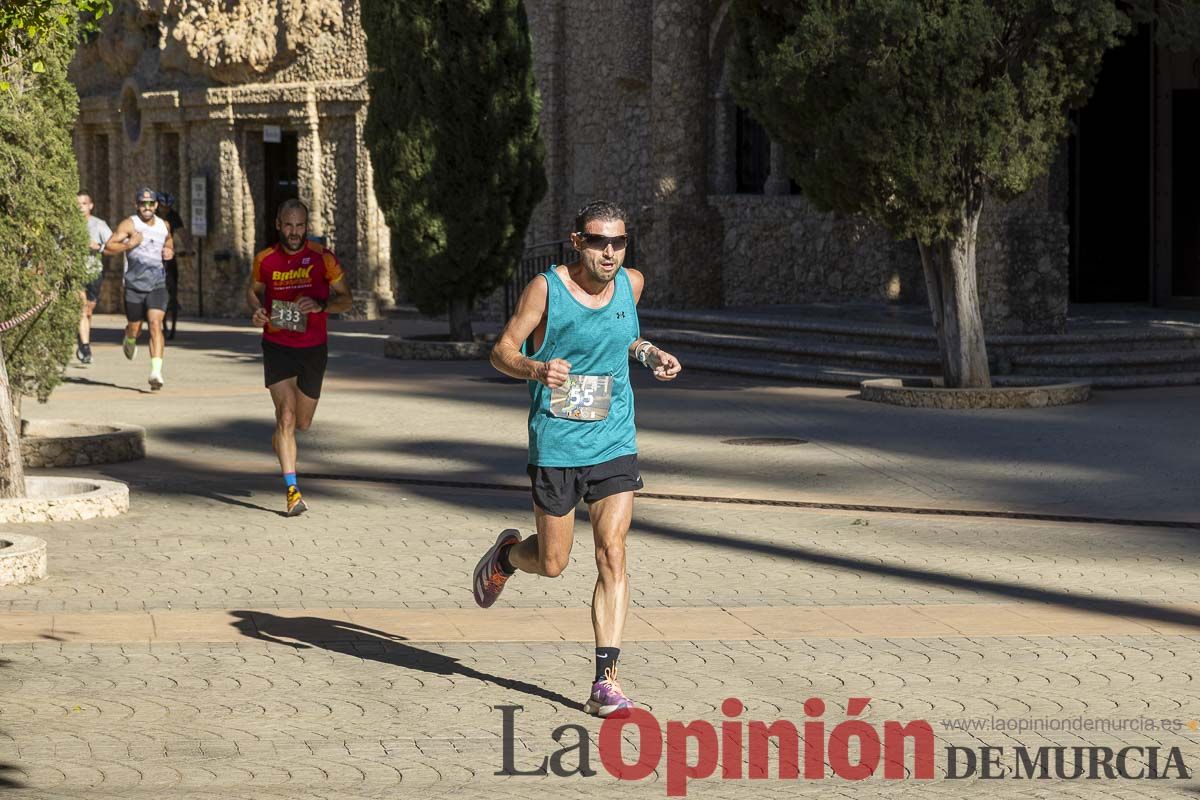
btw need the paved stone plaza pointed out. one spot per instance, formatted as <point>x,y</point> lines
<point>203,646</point>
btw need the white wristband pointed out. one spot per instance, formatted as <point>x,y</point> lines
<point>642,353</point>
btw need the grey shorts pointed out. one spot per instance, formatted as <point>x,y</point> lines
<point>137,304</point>
<point>557,490</point>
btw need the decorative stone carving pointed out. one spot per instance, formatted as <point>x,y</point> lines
<point>228,42</point>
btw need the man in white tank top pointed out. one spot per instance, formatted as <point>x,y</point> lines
<point>145,240</point>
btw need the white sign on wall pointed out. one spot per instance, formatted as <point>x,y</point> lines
<point>272,134</point>
<point>199,205</point>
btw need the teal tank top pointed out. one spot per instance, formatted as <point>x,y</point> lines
<point>596,342</point>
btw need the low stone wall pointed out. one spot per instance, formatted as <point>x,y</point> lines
<point>929,393</point>
<point>436,350</point>
<point>60,443</point>
<point>22,558</point>
<point>780,250</point>
<point>50,499</point>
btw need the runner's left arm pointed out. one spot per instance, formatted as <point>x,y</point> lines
<point>339,299</point>
<point>666,367</point>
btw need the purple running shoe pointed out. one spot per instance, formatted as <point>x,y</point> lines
<point>488,580</point>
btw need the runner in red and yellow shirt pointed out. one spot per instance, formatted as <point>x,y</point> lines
<point>294,287</point>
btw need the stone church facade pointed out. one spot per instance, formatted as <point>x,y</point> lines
<point>636,108</point>
<point>265,101</point>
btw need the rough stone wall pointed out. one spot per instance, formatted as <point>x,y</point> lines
<point>616,123</point>
<point>780,251</point>
<point>1022,256</point>
<point>606,106</point>
<point>173,89</point>
<point>546,28</point>
<point>169,43</point>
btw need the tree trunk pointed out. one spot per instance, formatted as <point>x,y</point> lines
<point>12,469</point>
<point>954,300</point>
<point>460,320</point>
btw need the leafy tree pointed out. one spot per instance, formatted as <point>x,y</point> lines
<point>912,112</point>
<point>26,24</point>
<point>452,126</point>
<point>43,240</point>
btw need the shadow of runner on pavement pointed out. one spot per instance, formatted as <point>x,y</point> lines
<point>339,636</point>
<point>90,382</point>
<point>8,772</point>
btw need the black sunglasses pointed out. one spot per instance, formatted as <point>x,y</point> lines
<point>601,242</point>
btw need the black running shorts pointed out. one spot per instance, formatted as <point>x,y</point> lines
<point>137,304</point>
<point>557,490</point>
<point>305,364</point>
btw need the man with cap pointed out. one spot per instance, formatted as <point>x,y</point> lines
<point>146,242</point>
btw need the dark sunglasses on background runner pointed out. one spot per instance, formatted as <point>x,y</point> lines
<point>601,242</point>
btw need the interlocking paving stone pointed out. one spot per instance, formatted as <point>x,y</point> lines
<point>139,686</point>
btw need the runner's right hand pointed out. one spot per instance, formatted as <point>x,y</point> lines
<point>554,372</point>
<point>134,240</point>
<point>260,318</point>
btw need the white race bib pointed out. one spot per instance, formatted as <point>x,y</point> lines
<point>287,315</point>
<point>582,397</point>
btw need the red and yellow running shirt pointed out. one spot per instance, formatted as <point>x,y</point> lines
<point>306,273</point>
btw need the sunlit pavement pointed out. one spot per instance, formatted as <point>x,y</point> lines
<point>205,646</point>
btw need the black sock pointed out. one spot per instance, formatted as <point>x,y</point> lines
<point>606,658</point>
<point>505,565</point>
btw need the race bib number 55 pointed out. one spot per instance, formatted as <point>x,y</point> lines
<point>582,397</point>
<point>288,316</point>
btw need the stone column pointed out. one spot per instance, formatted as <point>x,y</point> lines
<point>778,182</point>
<point>80,141</point>
<point>377,238</point>
<point>723,175</point>
<point>309,158</point>
<point>230,254</point>
<point>680,235</point>
<point>119,193</point>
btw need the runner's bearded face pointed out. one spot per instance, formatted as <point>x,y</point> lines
<point>602,248</point>
<point>146,209</point>
<point>293,227</point>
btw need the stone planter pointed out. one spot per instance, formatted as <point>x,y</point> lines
<point>61,443</point>
<point>929,393</point>
<point>420,348</point>
<point>22,558</point>
<point>65,499</point>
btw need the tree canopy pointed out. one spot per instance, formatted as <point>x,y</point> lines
<point>26,25</point>
<point>905,110</point>
<point>452,126</point>
<point>43,239</point>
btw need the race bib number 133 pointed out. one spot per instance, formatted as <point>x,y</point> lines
<point>288,316</point>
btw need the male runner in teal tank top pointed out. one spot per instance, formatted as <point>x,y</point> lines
<point>572,336</point>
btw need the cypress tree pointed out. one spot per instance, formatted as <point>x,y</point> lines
<point>452,126</point>
<point>43,239</point>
